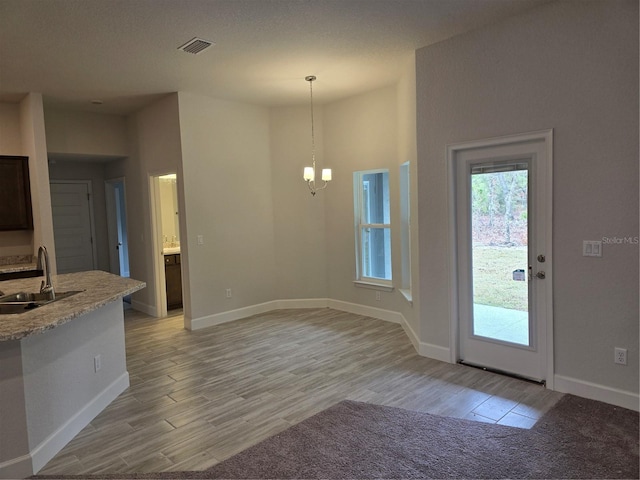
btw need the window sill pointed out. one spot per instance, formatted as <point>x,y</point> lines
<point>373,286</point>
<point>407,295</point>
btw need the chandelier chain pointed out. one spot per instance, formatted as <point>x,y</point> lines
<point>313,139</point>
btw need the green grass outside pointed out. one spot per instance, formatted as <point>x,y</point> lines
<point>493,280</point>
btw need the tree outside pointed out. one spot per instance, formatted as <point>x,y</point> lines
<point>499,236</point>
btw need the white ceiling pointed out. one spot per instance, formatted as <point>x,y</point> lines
<point>125,52</point>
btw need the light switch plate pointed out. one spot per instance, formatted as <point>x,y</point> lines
<point>592,248</point>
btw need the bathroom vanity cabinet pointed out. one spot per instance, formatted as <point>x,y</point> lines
<point>173,280</point>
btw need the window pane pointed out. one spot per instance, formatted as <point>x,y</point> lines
<point>376,253</point>
<point>375,201</point>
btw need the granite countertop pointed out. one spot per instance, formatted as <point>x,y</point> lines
<point>18,267</point>
<point>99,288</point>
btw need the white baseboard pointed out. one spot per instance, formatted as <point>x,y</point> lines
<point>19,467</point>
<point>594,391</point>
<point>303,303</point>
<point>230,316</point>
<point>50,446</point>
<point>144,308</point>
<point>367,311</point>
<point>424,349</point>
<point>436,352</point>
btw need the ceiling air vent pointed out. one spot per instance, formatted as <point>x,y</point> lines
<point>195,45</point>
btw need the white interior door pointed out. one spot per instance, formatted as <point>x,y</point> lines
<point>503,238</point>
<point>72,226</point>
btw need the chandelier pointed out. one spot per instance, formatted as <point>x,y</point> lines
<point>310,172</point>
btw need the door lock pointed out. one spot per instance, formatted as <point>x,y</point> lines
<point>541,258</point>
<point>541,275</point>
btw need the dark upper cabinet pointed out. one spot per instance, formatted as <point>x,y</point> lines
<point>15,194</point>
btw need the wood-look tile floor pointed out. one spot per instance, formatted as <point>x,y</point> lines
<point>199,397</point>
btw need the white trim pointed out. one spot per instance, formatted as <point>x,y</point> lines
<point>112,222</point>
<point>38,457</point>
<point>303,303</point>
<point>436,352</point>
<point>367,311</point>
<point>406,293</point>
<point>230,315</point>
<point>373,285</point>
<point>594,391</point>
<point>423,349</point>
<point>144,308</point>
<point>19,467</point>
<point>157,257</point>
<point>452,208</point>
<point>548,139</point>
<point>546,136</point>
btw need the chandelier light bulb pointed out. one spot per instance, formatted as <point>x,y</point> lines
<point>309,174</point>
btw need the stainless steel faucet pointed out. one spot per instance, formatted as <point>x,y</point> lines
<point>46,286</point>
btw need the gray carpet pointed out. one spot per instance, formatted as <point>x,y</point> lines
<point>577,438</point>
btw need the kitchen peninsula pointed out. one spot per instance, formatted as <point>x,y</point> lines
<point>61,364</point>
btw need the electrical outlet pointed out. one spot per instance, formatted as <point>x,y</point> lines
<point>378,296</point>
<point>620,356</point>
<point>97,363</point>
<point>228,293</point>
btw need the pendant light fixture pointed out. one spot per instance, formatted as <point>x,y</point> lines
<point>310,172</point>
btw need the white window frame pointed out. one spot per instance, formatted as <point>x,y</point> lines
<point>405,230</point>
<point>358,193</point>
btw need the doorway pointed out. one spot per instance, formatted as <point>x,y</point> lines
<point>115,199</point>
<point>502,222</point>
<point>166,242</point>
<point>73,225</point>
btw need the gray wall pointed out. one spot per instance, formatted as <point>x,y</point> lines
<point>226,173</point>
<point>299,225</point>
<point>154,149</point>
<point>360,134</point>
<point>22,132</point>
<point>571,66</point>
<point>83,133</point>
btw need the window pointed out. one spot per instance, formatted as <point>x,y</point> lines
<point>405,230</point>
<point>373,226</point>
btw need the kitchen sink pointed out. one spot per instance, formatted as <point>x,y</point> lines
<point>23,301</point>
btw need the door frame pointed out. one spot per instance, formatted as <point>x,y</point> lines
<point>452,150</point>
<point>155,209</point>
<point>89,184</point>
<point>113,223</point>
<point>156,244</point>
